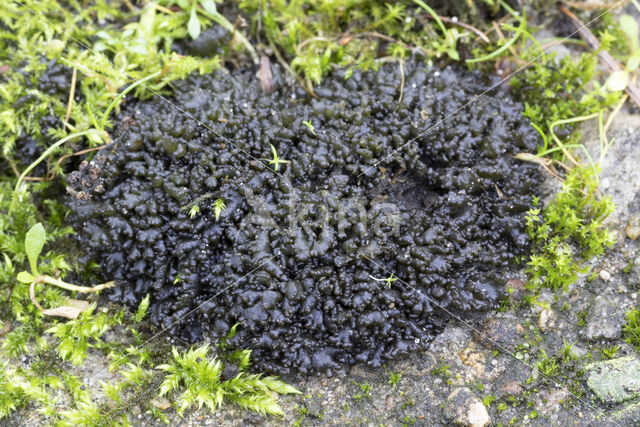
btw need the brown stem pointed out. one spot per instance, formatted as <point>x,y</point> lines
<point>32,295</point>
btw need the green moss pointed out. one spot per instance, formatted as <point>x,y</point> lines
<point>568,231</point>
<point>632,328</point>
<point>12,395</point>
<point>554,90</point>
<point>200,378</point>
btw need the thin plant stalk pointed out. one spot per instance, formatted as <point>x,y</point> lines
<point>433,14</point>
<point>502,48</point>
<point>121,95</point>
<point>565,122</point>
<point>224,22</point>
<point>73,288</point>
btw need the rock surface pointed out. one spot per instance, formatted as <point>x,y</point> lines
<point>605,320</point>
<point>464,408</point>
<point>547,320</point>
<point>633,227</point>
<point>615,381</point>
<point>630,415</point>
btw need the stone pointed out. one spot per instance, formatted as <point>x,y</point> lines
<point>605,275</point>
<point>465,409</point>
<point>473,358</point>
<point>161,403</point>
<point>633,226</point>
<point>516,289</point>
<point>547,320</point>
<point>605,320</point>
<point>554,398</point>
<point>634,274</point>
<point>498,333</point>
<point>511,388</point>
<point>616,380</point>
<point>629,415</point>
<point>314,408</point>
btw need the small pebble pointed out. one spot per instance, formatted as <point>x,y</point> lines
<point>605,275</point>
<point>633,227</point>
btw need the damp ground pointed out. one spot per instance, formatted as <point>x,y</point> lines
<point>560,363</point>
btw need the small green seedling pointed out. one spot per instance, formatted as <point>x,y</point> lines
<point>218,208</point>
<point>519,31</point>
<point>632,328</point>
<point>394,379</point>
<point>194,211</point>
<point>609,352</point>
<point>309,125</point>
<point>143,308</point>
<point>34,242</point>
<point>389,279</point>
<point>276,161</point>
<point>448,45</point>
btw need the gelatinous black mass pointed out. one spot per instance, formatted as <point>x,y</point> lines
<point>299,256</point>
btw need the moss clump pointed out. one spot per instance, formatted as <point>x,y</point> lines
<point>568,231</point>
<point>299,257</point>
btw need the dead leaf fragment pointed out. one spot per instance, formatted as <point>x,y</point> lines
<point>161,403</point>
<point>264,74</point>
<point>66,312</point>
<point>345,40</point>
<point>81,305</point>
<point>5,329</point>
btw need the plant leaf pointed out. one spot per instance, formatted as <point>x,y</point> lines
<point>25,277</point>
<point>453,54</point>
<point>634,62</point>
<point>209,6</point>
<point>629,25</point>
<point>33,244</point>
<point>617,81</point>
<point>66,312</point>
<point>193,27</point>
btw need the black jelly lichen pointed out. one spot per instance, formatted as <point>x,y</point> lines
<point>296,255</point>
